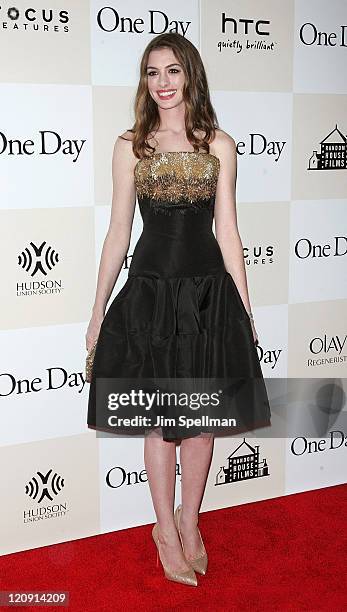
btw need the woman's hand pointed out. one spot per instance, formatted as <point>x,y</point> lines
<point>93,330</point>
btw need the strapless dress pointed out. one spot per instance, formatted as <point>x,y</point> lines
<point>178,323</point>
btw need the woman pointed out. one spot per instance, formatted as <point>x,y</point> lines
<point>184,310</point>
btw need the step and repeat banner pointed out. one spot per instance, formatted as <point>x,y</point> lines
<point>69,73</point>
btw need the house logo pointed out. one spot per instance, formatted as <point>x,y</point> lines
<point>333,153</point>
<point>243,464</point>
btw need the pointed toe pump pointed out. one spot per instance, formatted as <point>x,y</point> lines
<point>199,563</point>
<point>188,577</point>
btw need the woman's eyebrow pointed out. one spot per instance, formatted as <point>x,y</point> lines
<point>168,66</point>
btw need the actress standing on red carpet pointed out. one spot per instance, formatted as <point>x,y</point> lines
<point>184,310</point>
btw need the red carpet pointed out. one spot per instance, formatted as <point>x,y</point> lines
<point>283,554</point>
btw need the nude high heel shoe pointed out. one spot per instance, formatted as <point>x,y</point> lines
<point>199,564</point>
<point>187,577</point>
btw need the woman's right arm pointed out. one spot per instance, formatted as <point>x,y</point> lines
<point>117,240</point>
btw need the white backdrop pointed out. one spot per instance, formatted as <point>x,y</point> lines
<point>278,82</point>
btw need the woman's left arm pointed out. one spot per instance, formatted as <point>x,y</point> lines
<point>227,233</point>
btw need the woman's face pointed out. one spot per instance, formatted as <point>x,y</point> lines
<point>165,78</point>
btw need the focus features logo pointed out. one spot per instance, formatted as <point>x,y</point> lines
<point>28,19</point>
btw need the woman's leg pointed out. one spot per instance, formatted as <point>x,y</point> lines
<point>160,464</point>
<point>195,459</point>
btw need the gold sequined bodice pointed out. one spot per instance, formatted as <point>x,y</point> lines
<point>176,177</point>
<point>176,194</point>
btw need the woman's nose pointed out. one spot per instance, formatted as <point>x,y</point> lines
<point>163,80</point>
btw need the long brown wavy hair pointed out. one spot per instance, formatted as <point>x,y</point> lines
<point>199,112</point>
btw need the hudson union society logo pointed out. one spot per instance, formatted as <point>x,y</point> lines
<point>46,485</point>
<point>243,464</point>
<point>38,260</point>
<point>35,259</point>
<point>39,488</point>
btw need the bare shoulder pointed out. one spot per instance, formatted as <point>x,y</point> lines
<point>223,145</point>
<point>127,135</point>
<point>124,142</point>
<point>123,154</point>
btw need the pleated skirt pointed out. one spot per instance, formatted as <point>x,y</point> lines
<point>180,333</point>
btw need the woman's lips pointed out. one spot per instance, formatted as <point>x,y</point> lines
<point>164,96</point>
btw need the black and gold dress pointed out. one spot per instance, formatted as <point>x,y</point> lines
<point>179,315</point>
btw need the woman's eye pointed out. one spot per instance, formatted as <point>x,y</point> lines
<point>153,72</point>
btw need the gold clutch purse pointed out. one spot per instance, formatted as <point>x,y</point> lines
<point>89,362</point>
